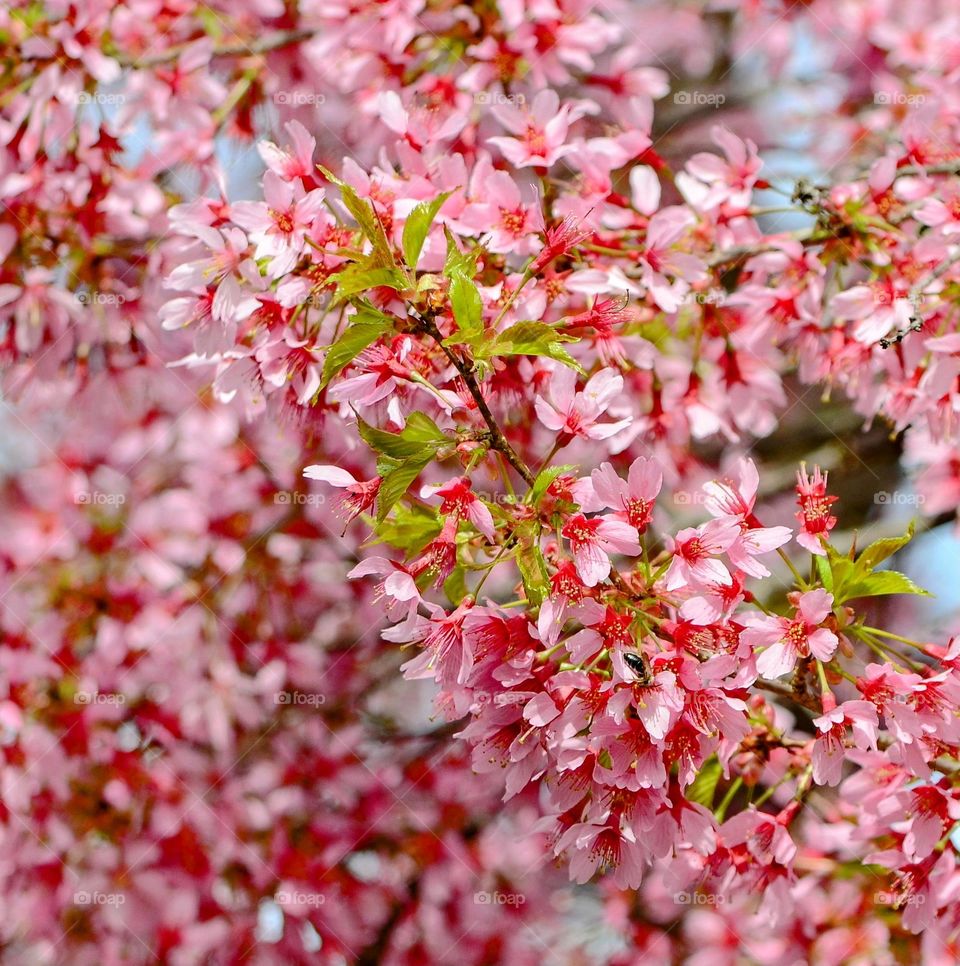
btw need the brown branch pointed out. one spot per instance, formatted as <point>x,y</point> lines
<point>497,440</point>
<point>258,45</point>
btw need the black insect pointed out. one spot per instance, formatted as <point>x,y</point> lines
<point>640,667</point>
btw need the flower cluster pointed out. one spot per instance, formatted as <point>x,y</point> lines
<point>524,386</point>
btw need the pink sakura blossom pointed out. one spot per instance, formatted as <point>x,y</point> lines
<point>360,495</point>
<point>632,500</point>
<point>297,162</point>
<point>765,836</point>
<point>667,273</point>
<point>176,627</point>
<point>508,223</point>
<point>540,132</point>
<point>695,549</point>
<point>398,583</point>
<point>592,541</point>
<point>447,654</point>
<point>560,240</point>
<point>786,640</point>
<point>279,225</point>
<point>828,749</point>
<point>814,515</point>
<point>729,180</point>
<point>604,847</point>
<point>459,500</point>
<point>573,413</point>
<point>725,499</point>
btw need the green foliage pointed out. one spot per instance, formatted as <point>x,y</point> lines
<point>529,339</point>
<point>704,786</point>
<point>533,572</point>
<point>364,329</point>
<point>404,455</point>
<point>417,227</point>
<point>467,309</point>
<point>847,579</point>
<point>544,478</point>
<point>410,528</point>
<point>366,219</point>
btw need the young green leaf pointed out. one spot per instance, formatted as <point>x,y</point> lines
<point>357,336</point>
<point>467,307</point>
<point>455,586</point>
<point>420,438</point>
<point>458,263</point>
<point>366,218</point>
<point>396,483</point>
<point>880,550</point>
<point>544,478</point>
<point>417,227</point>
<point>880,583</point>
<point>533,572</point>
<point>410,528</point>
<point>362,276</point>
<point>704,786</point>
<point>531,339</point>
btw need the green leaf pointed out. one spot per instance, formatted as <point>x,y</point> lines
<point>458,263</point>
<point>366,218</point>
<point>531,339</point>
<point>883,582</point>
<point>533,571</point>
<point>410,528</point>
<point>455,586</point>
<point>544,478</point>
<point>421,427</point>
<point>356,338</point>
<point>420,439</point>
<point>825,572</point>
<point>363,276</point>
<point>704,786</point>
<point>880,550</point>
<point>396,483</point>
<point>467,306</point>
<point>417,227</point>
<point>842,571</point>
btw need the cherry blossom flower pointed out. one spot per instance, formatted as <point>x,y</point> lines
<point>695,550</point>
<point>786,640</point>
<point>459,500</point>
<point>360,495</point>
<point>280,224</point>
<point>814,515</point>
<point>540,133</point>
<point>593,540</point>
<point>573,413</point>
